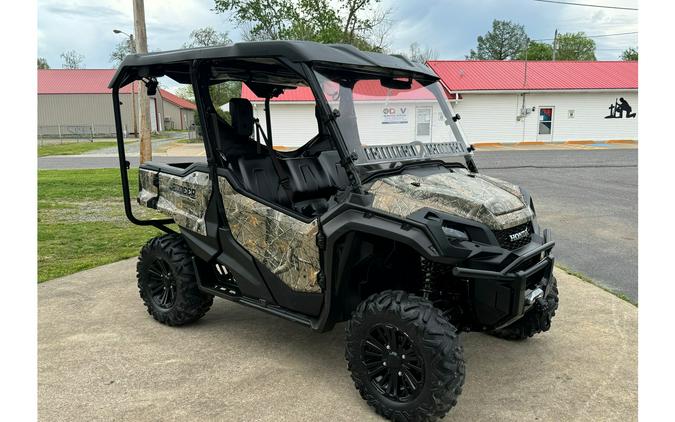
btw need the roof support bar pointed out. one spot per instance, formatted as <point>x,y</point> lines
<point>124,168</point>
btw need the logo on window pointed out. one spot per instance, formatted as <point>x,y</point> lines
<point>394,115</point>
<point>617,110</point>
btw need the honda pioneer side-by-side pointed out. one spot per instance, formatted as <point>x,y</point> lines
<point>365,206</point>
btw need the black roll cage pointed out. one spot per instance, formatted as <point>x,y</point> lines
<point>200,88</point>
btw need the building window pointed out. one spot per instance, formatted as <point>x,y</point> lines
<point>423,122</point>
<point>545,120</point>
<point>570,114</point>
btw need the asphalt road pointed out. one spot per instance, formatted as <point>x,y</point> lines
<point>102,357</point>
<point>587,197</point>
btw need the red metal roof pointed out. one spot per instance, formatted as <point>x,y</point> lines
<point>91,81</point>
<point>176,100</point>
<point>498,75</point>
<point>76,81</point>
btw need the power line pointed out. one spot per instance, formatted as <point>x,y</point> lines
<point>593,36</point>
<point>587,5</point>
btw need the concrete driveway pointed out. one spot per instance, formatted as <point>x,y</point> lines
<point>101,357</point>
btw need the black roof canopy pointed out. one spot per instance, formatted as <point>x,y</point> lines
<point>173,63</point>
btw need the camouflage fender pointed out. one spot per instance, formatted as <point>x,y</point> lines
<point>286,246</point>
<point>147,191</point>
<point>184,199</point>
<point>493,202</point>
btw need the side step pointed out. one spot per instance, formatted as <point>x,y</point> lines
<point>234,296</point>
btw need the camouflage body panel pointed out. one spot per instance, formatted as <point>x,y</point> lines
<point>493,202</point>
<point>147,191</point>
<point>184,199</point>
<point>286,246</point>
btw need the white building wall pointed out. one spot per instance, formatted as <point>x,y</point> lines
<point>293,124</point>
<point>81,110</point>
<point>484,118</point>
<point>88,110</point>
<point>492,117</point>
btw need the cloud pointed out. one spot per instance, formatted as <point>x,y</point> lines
<point>448,26</point>
<point>452,26</point>
<point>86,26</point>
<point>86,11</point>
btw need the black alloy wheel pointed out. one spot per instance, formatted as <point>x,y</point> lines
<point>161,284</point>
<point>167,282</point>
<point>404,356</point>
<point>393,362</point>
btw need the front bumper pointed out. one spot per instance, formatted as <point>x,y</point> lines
<point>499,298</point>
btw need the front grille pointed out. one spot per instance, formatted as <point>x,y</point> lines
<point>504,236</point>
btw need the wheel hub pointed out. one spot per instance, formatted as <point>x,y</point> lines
<point>161,284</point>
<point>394,365</point>
<point>393,361</point>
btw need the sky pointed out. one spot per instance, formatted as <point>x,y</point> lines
<point>450,27</point>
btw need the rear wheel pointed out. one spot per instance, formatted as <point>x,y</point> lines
<point>167,282</point>
<point>535,321</point>
<point>404,357</point>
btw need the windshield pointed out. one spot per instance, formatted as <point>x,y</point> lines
<point>387,122</point>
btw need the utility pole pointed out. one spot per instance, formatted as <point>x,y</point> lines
<point>142,48</point>
<point>134,104</point>
<point>555,43</point>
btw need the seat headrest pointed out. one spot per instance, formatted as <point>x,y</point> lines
<point>241,111</point>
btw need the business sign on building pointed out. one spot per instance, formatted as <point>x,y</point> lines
<point>394,115</point>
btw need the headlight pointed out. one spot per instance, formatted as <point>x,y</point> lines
<point>455,234</point>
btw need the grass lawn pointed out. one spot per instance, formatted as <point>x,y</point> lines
<point>189,141</point>
<point>81,221</point>
<point>72,148</point>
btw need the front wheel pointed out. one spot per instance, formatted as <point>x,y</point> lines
<point>404,357</point>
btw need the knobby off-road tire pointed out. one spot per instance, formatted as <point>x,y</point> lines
<point>167,282</point>
<point>535,321</point>
<point>382,330</point>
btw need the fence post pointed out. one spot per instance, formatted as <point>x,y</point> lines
<point>60,137</point>
<point>92,132</point>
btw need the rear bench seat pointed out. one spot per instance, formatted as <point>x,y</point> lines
<point>312,180</point>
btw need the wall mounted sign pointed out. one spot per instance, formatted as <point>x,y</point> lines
<point>394,115</point>
<point>617,110</point>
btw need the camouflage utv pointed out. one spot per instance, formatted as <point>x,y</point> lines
<point>378,219</point>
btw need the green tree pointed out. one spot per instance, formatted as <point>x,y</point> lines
<point>504,42</point>
<point>356,22</point>
<point>207,37</point>
<point>220,93</point>
<point>629,54</point>
<point>42,63</point>
<point>122,49</point>
<point>575,46</point>
<point>72,60</point>
<point>537,51</point>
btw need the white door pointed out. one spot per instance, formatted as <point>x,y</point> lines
<point>423,124</point>
<point>545,124</point>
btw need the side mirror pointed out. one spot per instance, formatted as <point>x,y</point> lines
<point>392,83</point>
<point>151,85</point>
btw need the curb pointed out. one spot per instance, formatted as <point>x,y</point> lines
<point>563,143</point>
